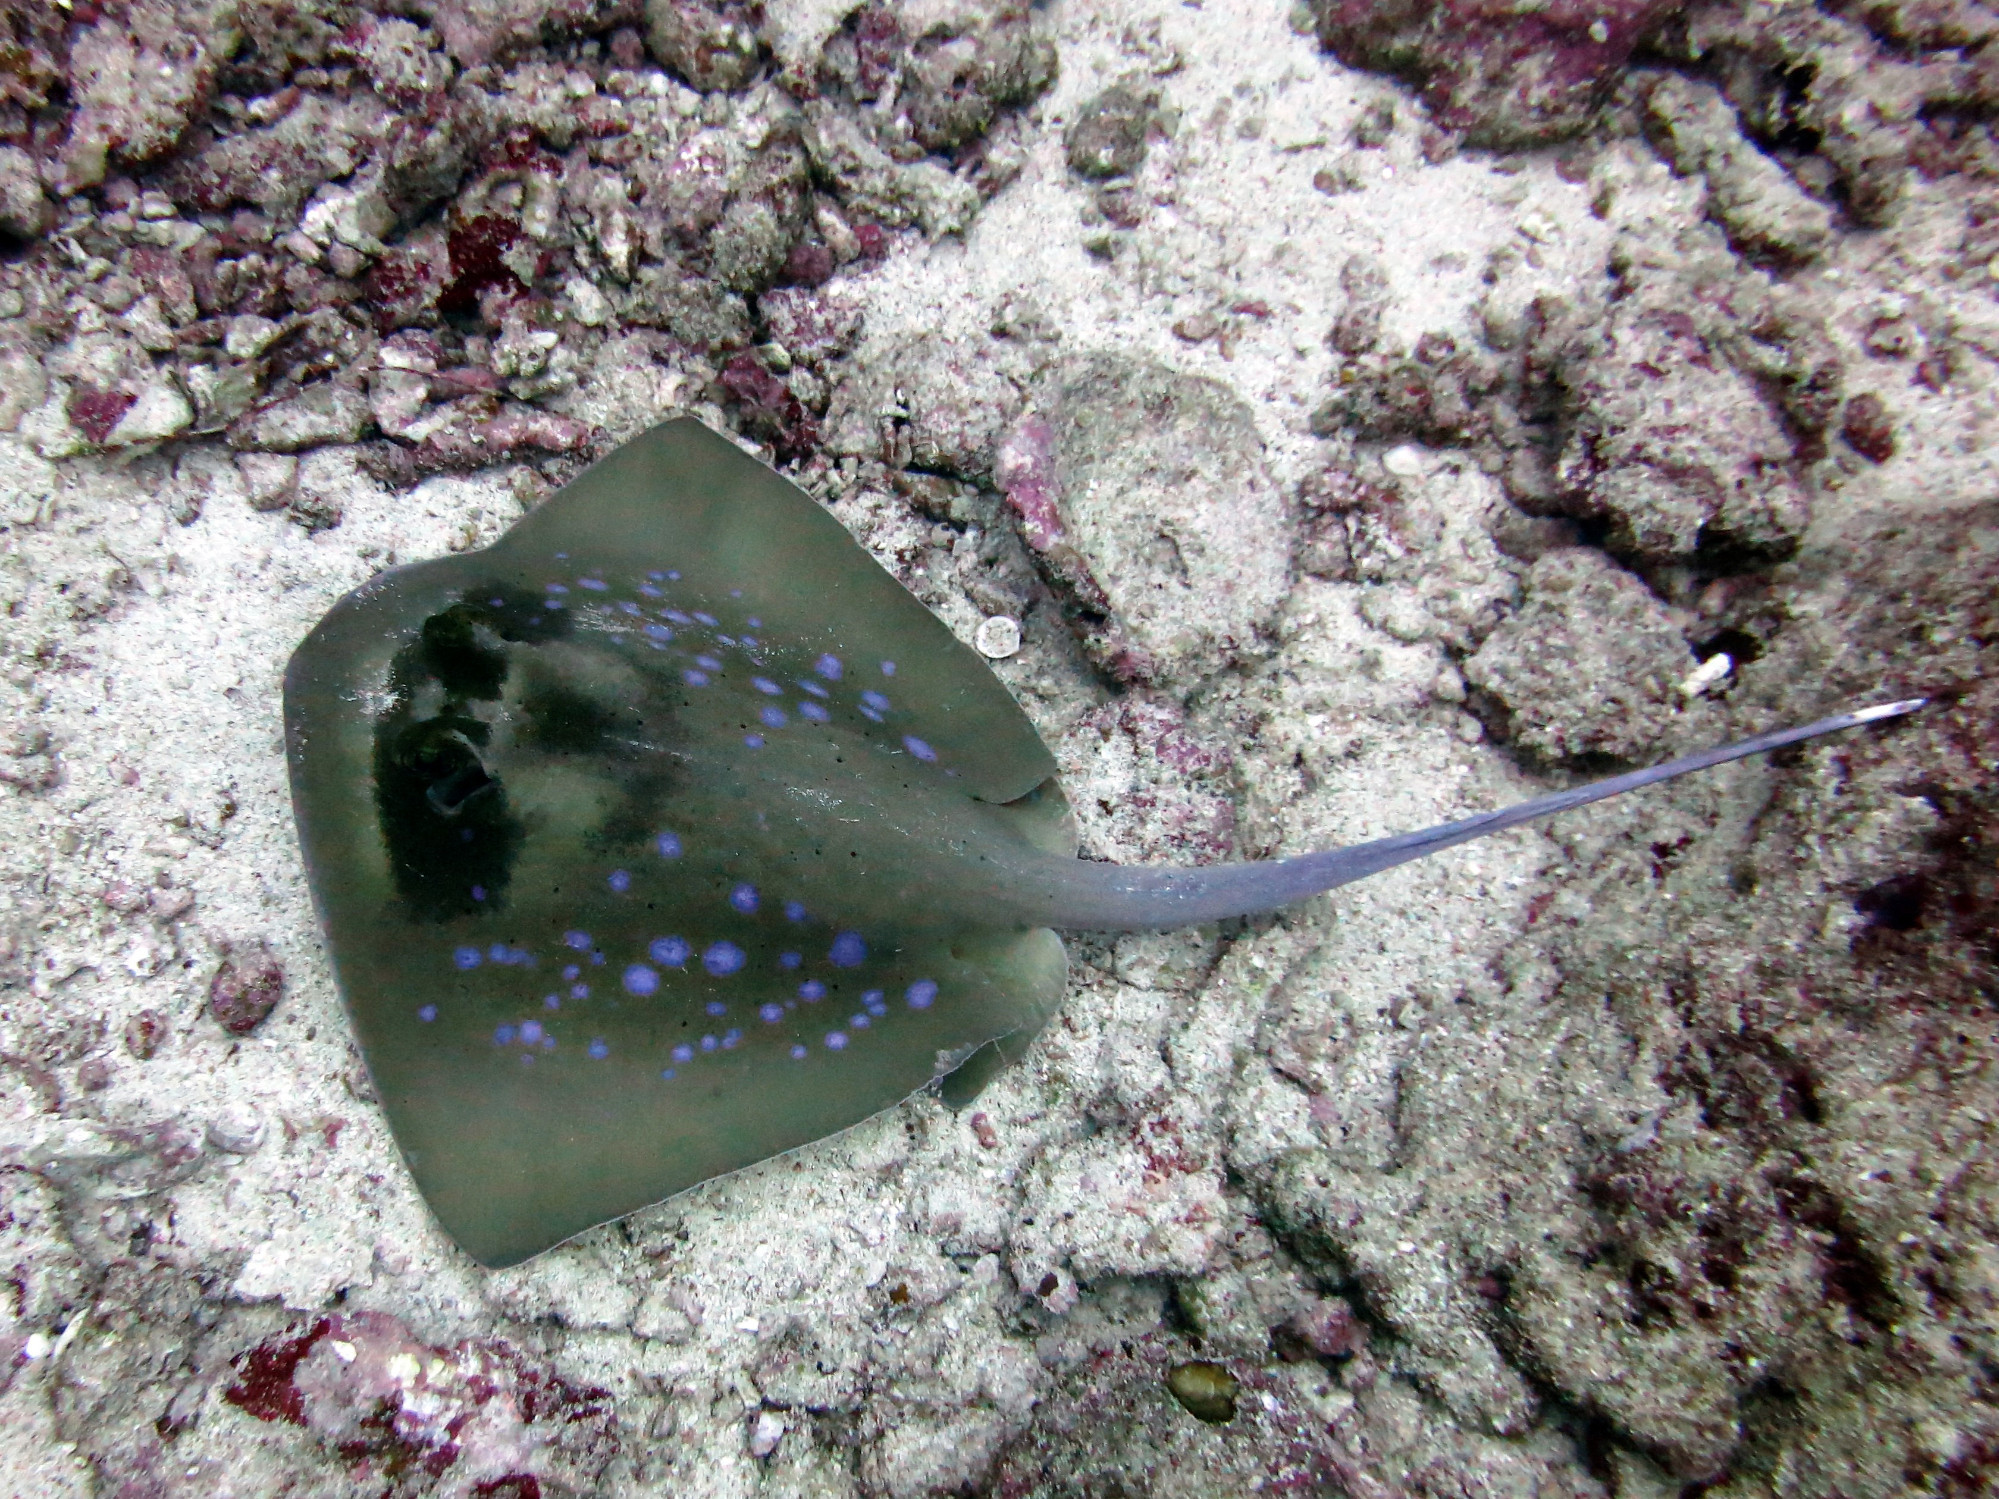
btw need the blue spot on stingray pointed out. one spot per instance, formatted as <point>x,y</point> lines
<point>794,910</point>
<point>812,687</point>
<point>836,1040</point>
<point>875,700</point>
<point>503,1036</point>
<point>770,1014</point>
<point>650,592</point>
<point>640,980</point>
<point>876,1002</point>
<point>668,845</point>
<point>677,617</point>
<point>659,632</point>
<point>620,881</point>
<point>683,1053</point>
<point>921,994</point>
<point>857,1022</point>
<point>829,667</point>
<point>766,686</point>
<point>478,891</point>
<point>717,1008</point>
<point>429,1013</point>
<point>530,1033</point>
<point>499,952</point>
<point>707,619</point>
<point>599,1049</point>
<point>744,898</point>
<point>722,959</point>
<point>709,1043</point>
<point>789,960</point>
<point>666,1074</point>
<point>467,957</point>
<point>707,663</point>
<point>772,716</point>
<point>812,991</point>
<point>551,1001</point>
<point>731,1039</point>
<point>671,952</point>
<point>870,713</point>
<point>888,668</point>
<point>595,585</point>
<point>848,951</point>
<point>579,991</point>
<point>753,741</point>
<point>797,1053</point>
<point>694,678</point>
<point>813,711</point>
<point>578,940</point>
<point>571,973</point>
<point>919,749</point>
<point>558,588</point>
<point>551,603</point>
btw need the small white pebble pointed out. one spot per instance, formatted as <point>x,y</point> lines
<point>345,1352</point>
<point>1707,674</point>
<point>238,1129</point>
<point>403,1368</point>
<point>998,637</point>
<point>1598,31</point>
<point>37,1346</point>
<point>1403,461</point>
<point>765,1433</point>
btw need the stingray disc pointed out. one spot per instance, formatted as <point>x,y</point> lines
<point>656,839</point>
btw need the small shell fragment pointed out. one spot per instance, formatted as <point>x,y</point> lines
<point>765,1433</point>
<point>998,637</point>
<point>1207,1390</point>
<point>1403,461</point>
<point>1710,672</point>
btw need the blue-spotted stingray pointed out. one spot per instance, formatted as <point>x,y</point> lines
<point>670,833</point>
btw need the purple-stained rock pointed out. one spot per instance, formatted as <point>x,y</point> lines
<point>1760,205</point>
<point>1589,666</point>
<point>1869,427</point>
<point>24,209</point>
<point>137,78</point>
<point>1107,137</point>
<point>1161,494</point>
<point>714,47</point>
<point>1690,409</point>
<point>245,989</point>
<point>322,413</point>
<point>1502,73</point>
<point>811,326</point>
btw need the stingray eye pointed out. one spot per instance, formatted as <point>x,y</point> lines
<point>448,795</point>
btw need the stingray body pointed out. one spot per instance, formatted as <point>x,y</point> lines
<point>670,833</point>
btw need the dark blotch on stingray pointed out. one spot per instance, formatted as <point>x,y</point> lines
<point>670,833</point>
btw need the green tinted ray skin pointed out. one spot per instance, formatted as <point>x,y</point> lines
<point>500,781</point>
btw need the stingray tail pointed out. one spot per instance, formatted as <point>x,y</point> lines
<point>1126,898</point>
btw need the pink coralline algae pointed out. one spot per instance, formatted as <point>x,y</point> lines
<point>399,1409</point>
<point>1025,473</point>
